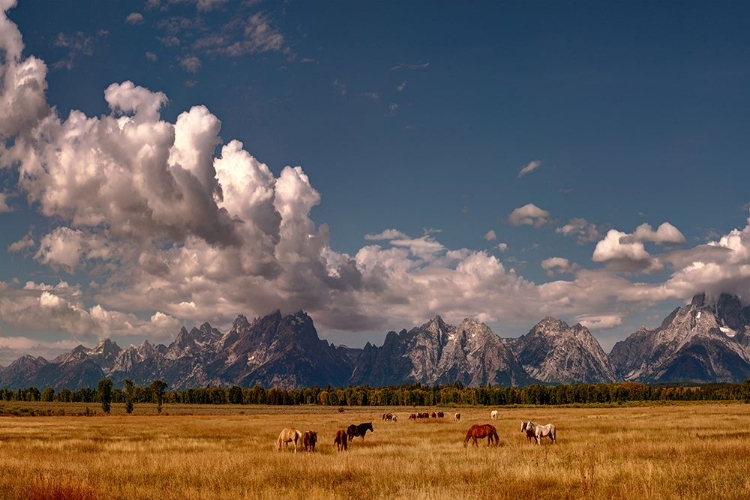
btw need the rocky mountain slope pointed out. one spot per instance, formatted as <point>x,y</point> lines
<point>437,353</point>
<point>705,341</point>
<point>554,352</point>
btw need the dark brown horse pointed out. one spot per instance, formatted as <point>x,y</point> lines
<point>341,440</point>
<point>309,438</point>
<point>358,430</point>
<point>477,431</point>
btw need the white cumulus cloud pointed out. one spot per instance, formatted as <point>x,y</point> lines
<point>529,215</point>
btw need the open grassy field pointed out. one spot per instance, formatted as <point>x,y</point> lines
<point>203,452</point>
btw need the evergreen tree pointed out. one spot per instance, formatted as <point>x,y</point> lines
<point>157,389</point>
<point>104,389</point>
<point>129,388</point>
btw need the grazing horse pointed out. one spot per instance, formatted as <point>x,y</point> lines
<point>457,416</point>
<point>358,430</point>
<point>441,414</point>
<point>288,436</point>
<point>493,414</point>
<point>477,431</point>
<point>309,438</point>
<point>528,431</point>
<point>340,440</point>
<point>540,431</point>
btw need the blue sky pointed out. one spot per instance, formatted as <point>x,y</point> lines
<point>373,163</point>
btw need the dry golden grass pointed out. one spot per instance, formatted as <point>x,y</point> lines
<point>649,452</point>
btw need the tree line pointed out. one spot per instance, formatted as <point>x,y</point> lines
<point>402,395</point>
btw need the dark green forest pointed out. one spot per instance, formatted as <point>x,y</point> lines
<point>403,395</point>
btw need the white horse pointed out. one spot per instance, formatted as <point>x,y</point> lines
<point>457,417</point>
<point>493,414</point>
<point>288,436</point>
<point>539,431</point>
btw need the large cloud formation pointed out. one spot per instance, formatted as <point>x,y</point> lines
<point>167,229</point>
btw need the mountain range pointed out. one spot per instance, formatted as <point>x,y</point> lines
<point>704,341</point>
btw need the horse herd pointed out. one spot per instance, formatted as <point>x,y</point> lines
<point>310,438</point>
<point>342,438</point>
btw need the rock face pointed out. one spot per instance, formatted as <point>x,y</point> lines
<point>705,341</point>
<point>554,352</point>
<point>437,353</point>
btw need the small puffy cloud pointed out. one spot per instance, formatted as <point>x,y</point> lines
<point>373,96</point>
<point>558,265</point>
<point>169,41</point>
<point>134,18</point>
<point>665,234</point>
<point>583,230</point>
<point>600,322</point>
<point>619,251</point>
<point>4,207</point>
<point>502,246</point>
<point>151,56</point>
<point>388,234</point>
<point>402,86</point>
<point>63,247</point>
<point>26,242</point>
<point>529,215</point>
<point>529,167</point>
<point>191,64</point>
<point>490,235</point>
<point>206,5</point>
<point>258,36</point>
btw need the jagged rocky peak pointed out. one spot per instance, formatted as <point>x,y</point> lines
<point>473,328</point>
<point>241,323</point>
<point>550,326</point>
<point>106,347</point>
<point>728,309</point>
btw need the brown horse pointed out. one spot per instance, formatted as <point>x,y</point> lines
<point>477,431</point>
<point>341,440</point>
<point>309,438</point>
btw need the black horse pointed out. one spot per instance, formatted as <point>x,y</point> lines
<point>358,430</point>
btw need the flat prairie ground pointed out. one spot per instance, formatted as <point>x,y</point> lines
<point>691,451</point>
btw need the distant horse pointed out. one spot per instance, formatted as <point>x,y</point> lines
<point>288,436</point>
<point>341,440</point>
<point>528,431</point>
<point>358,430</point>
<point>540,431</point>
<point>309,438</point>
<point>457,416</point>
<point>477,431</point>
<point>434,415</point>
<point>441,414</point>
<point>493,414</point>
<point>413,416</point>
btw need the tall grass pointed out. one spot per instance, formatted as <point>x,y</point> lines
<point>650,452</point>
